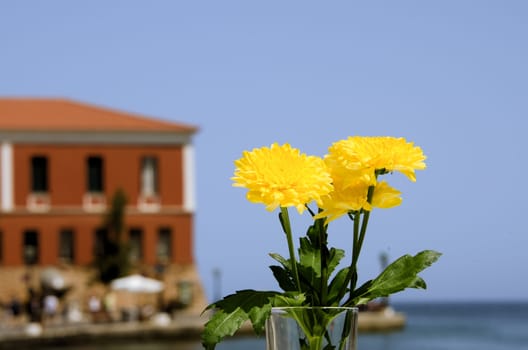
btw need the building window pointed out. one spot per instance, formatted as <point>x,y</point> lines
<point>39,174</point>
<point>164,249</point>
<point>149,176</point>
<point>31,247</point>
<point>95,174</point>
<point>66,246</point>
<point>136,244</point>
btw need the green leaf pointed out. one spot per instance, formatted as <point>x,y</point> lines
<point>334,258</point>
<point>279,258</point>
<point>258,317</point>
<point>222,324</point>
<point>310,257</point>
<point>232,311</point>
<point>317,234</point>
<point>309,269</point>
<point>363,289</point>
<point>401,274</point>
<point>284,278</point>
<point>335,292</point>
<point>284,223</point>
<point>289,299</point>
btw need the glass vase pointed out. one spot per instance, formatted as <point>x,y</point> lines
<point>312,328</point>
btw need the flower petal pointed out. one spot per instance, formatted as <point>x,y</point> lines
<point>282,176</point>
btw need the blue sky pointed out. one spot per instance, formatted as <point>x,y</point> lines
<point>449,75</point>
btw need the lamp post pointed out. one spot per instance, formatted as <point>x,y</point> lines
<point>217,281</point>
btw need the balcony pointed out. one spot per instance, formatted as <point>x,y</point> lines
<point>94,202</point>
<point>38,202</point>
<point>149,203</point>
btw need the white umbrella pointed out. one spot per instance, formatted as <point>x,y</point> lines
<point>137,284</point>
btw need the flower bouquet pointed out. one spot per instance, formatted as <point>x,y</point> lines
<point>344,183</point>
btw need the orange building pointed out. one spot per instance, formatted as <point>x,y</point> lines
<point>61,162</point>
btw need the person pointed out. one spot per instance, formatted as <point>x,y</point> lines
<point>146,312</point>
<point>94,306</point>
<point>110,305</point>
<point>51,306</point>
<point>15,306</point>
<point>72,312</point>
<point>34,309</point>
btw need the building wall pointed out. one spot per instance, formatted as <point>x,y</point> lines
<point>84,226</point>
<point>122,168</point>
<point>67,204</point>
<point>78,274</point>
<point>67,177</point>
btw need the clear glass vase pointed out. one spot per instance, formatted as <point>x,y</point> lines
<point>312,328</point>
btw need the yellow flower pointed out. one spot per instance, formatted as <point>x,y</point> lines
<point>384,153</point>
<point>385,196</point>
<point>343,199</point>
<point>356,162</point>
<point>282,176</point>
<point>355,197</point>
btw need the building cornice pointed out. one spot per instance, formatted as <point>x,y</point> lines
<point>77,210</point>
<point>96,137</point>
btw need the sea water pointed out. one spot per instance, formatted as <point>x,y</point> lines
<point>430,326</point>
<point>456,326</point>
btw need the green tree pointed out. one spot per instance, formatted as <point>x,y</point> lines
<point>113,262</point>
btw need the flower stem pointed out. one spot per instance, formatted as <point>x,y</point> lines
<point>355,251</point>
<point>287,230</point>
<point>359,236</point>
<point>323,250</point>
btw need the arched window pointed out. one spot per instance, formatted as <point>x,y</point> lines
<point>95,181</point>
<point>39,174</point>
<point>149,176</point>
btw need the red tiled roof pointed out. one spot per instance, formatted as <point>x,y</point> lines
<point>66,115</point>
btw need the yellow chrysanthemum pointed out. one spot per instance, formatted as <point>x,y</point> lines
<point>281,176</point>
<point>385,196</point>
<point>343,199</point>
<point>355,197</point>
<point>367,154</point>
